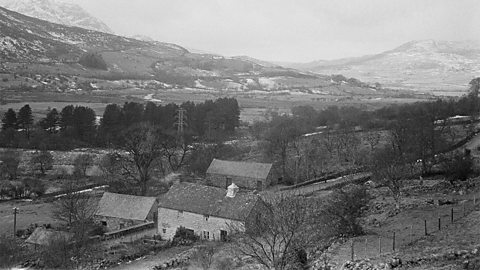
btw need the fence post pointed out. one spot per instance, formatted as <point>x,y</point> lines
<point>393,241</point>
<point>353,252</point>
<point>380,244</point>
<point>439,223</point>
<point>366,239</point>
<point>451,215</point>
<point>425,223</point>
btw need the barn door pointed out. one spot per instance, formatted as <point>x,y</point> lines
<point>259,185</point>
<point>223,235</point>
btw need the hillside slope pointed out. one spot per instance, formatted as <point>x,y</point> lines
<point>48,47</point>
<point>57,12</point>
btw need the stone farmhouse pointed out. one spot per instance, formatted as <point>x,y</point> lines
<point>120,211</point>
<point>248,175</point>
<point>209,212</point>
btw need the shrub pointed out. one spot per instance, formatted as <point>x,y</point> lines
<point>345,207</point>
<point>457,167</point>
<point>11,252</point>
<point>225,263</point>
<point>34,186</point>
<point>10,161</point>
<point>204,257</point>
<point>184,236</point>
<point>93,60</point>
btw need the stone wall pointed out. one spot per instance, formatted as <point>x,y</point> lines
<point>220,180</point>
<point>169,220</point>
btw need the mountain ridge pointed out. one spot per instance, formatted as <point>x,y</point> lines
<point>415,65</point>
<point>57,12</point>
<point>29,45</point>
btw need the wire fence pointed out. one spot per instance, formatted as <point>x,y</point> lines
<point>439,219</point>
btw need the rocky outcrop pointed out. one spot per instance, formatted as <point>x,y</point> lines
<point>468,259</point>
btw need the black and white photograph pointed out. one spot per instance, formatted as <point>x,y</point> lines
<point>240,134</point>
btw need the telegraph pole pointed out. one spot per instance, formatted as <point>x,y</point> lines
<point>15,211</point>
<point>181,117</point>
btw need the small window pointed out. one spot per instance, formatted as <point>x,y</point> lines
<point>206,217</point>
<point>104,223</point>
<point>164,230</point>
<point>206,235</point>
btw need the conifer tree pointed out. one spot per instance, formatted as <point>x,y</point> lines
<point>25,119</point>
<point>9,120</point>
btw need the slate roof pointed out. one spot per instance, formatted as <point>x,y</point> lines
<point>238,168</point>
<point>125,206</point>
<point>42,236</point>
<point>207,200</point>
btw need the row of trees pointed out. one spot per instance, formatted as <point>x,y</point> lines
<point>349,116</point>
<point>77,126</point>
<point>416,131</point>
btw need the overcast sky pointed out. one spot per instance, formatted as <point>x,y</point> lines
<point>290,30</point>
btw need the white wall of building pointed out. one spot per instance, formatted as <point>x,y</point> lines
<point>207,227</point>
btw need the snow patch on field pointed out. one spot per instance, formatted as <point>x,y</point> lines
<point>267,82</point>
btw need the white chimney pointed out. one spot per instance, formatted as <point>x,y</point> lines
<point>232,190</point>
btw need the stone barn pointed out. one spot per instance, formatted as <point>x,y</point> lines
<point>248,175</point>
<point>43,237</point>
<point>120,211</point>
<point>207,211</point>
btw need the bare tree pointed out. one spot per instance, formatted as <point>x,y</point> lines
<point>110,165</point>
<point>74,207</point>
<point>143,144</point>
<point>43,160</point>
<point>275,237</point>
<point>373,139</point>
<point>391,169</point>
<point>81,164</point>
<point>283,133</point>
<point>175,150</point>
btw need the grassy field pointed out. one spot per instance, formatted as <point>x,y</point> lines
<point>29,213</point>
<point>253,104</point>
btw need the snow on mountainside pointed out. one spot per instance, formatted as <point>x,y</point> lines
<point>56,12</point>
<point>46,46</point>
<point>417,65</point>
<point>26,38</point>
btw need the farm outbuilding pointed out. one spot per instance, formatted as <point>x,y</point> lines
<point>120,211</point>
<point>206,211</point>
<point>250,175</point>
<point>43,237</point>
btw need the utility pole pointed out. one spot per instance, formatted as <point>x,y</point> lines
<point>15,211</point>
<point>181,117</point>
